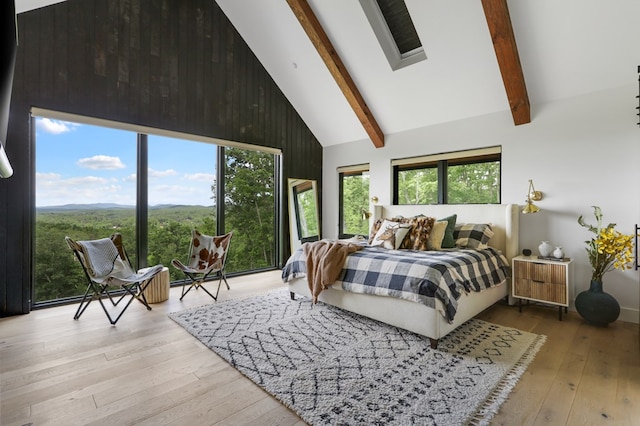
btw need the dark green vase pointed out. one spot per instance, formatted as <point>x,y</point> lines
<point>596,306</point>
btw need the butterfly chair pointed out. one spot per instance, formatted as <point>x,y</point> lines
<point>207,257</point>
<point>110,274</point>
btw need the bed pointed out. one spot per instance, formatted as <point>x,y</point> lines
<point>429,321</point>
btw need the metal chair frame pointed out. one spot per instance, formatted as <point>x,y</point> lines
<point>99,287</point>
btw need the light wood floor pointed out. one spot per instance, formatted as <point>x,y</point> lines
<point>147,370</point>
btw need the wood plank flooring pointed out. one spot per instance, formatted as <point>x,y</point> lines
<point>147,370</point>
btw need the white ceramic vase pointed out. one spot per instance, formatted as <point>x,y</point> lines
<point>558,253</point>
<point>545,249</point>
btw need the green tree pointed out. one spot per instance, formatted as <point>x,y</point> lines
<point>309,213</point>
<point>249,208</point>
<point>58,273</point>
<point>476,183</point>
<point>355,198</point>
<point>418,186</point>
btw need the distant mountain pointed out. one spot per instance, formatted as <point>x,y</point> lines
<point>111,206</point>
<point>176,206</point>
<point>166,206</point>
<point>94,206</point>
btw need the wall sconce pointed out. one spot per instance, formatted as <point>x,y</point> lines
<point>365,215</point>
<point>532,196</point>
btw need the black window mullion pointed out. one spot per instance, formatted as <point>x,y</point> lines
<point>220,176</point>
<point>442,182</point>
<point>396,198</point>
<point>277,195</point>
<point>341,206</point>
<point>142,202</point>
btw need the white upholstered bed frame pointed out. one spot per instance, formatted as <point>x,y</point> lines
<point>417,317</point>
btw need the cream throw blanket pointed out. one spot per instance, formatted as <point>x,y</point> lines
<point>325,260</point>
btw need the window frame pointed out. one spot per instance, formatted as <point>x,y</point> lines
<point>441,163</point>
<point>357,170</point>
<point>140,137</point>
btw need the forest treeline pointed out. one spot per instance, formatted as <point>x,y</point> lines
<point>58,274</point>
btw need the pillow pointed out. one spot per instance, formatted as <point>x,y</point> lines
<point>436,235</point>
<point>374,229</point>
<point>448,241</point>
<point>418,235</point>
<point>472,235</point>
<point>390,234</point>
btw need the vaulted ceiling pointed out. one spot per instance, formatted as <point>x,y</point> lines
<point>345,89</point>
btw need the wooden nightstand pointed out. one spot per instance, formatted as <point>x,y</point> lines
<point>542,280</point>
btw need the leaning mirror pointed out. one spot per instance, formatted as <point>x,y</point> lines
<point>304,223</point>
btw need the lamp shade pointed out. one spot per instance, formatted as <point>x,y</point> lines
<point>530,208</point>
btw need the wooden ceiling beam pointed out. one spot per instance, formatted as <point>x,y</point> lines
<point>323,45</point>
<point>504,44</point>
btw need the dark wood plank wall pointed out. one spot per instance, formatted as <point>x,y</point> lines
<point>171,64</point>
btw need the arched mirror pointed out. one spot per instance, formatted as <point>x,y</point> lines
<point>304,218</point>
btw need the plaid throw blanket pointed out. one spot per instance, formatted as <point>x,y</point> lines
<point>419,276</point>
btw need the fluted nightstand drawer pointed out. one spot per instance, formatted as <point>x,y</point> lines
<point>541,280</point>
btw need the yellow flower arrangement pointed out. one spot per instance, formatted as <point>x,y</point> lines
<point>609,249</point>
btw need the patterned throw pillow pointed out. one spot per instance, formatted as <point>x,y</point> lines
<point>418,235</point>
<point>418,238</point>
<point>472,235</point>
<point>391,234</point>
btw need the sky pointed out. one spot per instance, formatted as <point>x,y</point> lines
<point>85,164</point>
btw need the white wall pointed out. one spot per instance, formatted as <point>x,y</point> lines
<point>579,152</point>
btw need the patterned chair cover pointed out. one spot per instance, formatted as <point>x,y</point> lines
<point>207,256</point>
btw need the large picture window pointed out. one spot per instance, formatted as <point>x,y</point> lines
<point>354,201</point>
<point>463,177</point>
<point>85,189</point>
<point>93,180</point>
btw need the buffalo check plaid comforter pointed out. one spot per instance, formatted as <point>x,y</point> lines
<point>419,276</point>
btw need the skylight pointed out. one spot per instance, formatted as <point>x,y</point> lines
<point>395,31</point>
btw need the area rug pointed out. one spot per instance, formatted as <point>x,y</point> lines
<point>333,367</point>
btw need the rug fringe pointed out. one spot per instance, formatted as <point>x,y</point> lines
<point>490,407</point>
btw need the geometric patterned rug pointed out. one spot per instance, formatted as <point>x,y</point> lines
<point>333,367</point>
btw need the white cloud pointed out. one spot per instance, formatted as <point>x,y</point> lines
<point>101,162</point>
<point>52,190</point>
<point>86,180</point>
<point>54,127</point>
<point>161,173</point>
<point>47,176</point>
<point>180,194</point>
<point>201,177</point>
